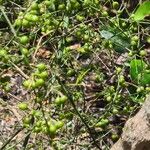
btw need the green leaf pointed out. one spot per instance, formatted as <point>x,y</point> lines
<point>66,22</point>
<point>142,11</point>
<point>138,72</point>
<point>116,37</point>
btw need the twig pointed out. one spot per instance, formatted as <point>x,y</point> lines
<point>68,94</point>
<point>38,46</point>
<point>20,71</point>
<point>8,21</point>
<point>10,139</point>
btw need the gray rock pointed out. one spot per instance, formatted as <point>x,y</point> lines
<point>136,133</point>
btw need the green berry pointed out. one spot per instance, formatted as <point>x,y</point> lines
<point>140,89</point>
<point>59,124</point>
<point>130,54</point>
<point>63,99</point>
<point>114,137</point>
<point>80,18</point>
<point>143,53</point>
<point>48,2</point>
<point>103,123</point>
<point>25,23</point>
<point>34,6</point>
<point>69,39</point>
<point>115,111</point>
<point>25,51</point>
<point>81,50</point>
<point>24,39</point>
<point>133,43</point>
<point>60,100</point>
<point>71,72</point>
<point>147,89</point>
<point>61,7</point>
<point>3,52</point>
<point>104,13</point>
<point>43,75</point>
<point>148,40</point>
<point>115,5</point>
<point>41,67</point>
<point>27,120</point>
<point>18,22</point>
<point>23,106</point>
<point>108,98</point>
<point>121,79</point>
<point>86,37</point>
<point>27,84</point>
<point>34,18</point>
<point>52,129</point>
<point>135,38</point>
<point>37,129</point>
<point>39,82</point>
<point>118,70</point>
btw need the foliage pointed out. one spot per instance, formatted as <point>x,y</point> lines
<point>142,11</point>
<point>84,70</point>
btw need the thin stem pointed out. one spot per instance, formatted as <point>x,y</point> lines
<point>68,94</point>
<point>8,21</point>
<point>10,139</point>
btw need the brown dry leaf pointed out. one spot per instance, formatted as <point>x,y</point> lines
<point>43,53</point>
<point>75,46</point>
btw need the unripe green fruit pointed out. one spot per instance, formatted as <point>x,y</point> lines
<point>43,75</point>
<point>61,7</point>
<point>60,100</point>
<point>81,50</point>
<point>27,120</point>
<point>108,98</point>
<point>124,25</point>
<point>114,137</point>
<point>80,18</point>
<point>63,99</point>
<point>70,72</point>
<point>34,6</point>
<point>148,40</point>
<point>24,39</point>
<point>135,38</point>
<point>86,37</point>
<point>69,39</point>
<point>25,23</point>
<point>34,18</point>
<point>103,123</point>
<point>130,54</point>
<point>24,51</point>
<point>3,52</point>
<point>121,79</point>
<point>52,130</point>
<point>140,89</point>
<point>115,5</point>
<point>59,124</point>
<point>104,13</point>
<point>39,82</point>
<point>37,129</point>
<point>133,43</point>
<point>48,3</point>
<point>27,84</point>
<point>143,53</point>
<point>118,70</point>
<point>33,12</point>
<point>41,67</point>
<point>147,89</point>
<point>18,22</point>
<point>23,106</point>
<point>115,111</point>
